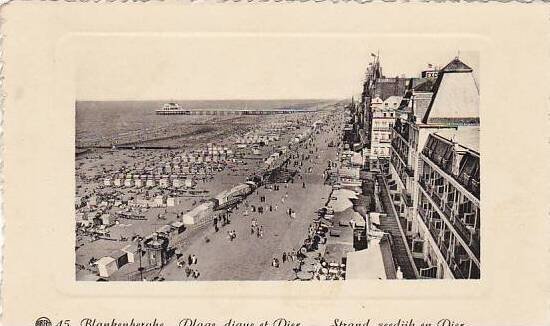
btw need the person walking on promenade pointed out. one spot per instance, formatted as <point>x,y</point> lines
<point>270,208</point>
<point>189,260</point>
<point>194,259</point>
<point>284,257</point>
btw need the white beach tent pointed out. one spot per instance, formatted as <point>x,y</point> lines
<point>106,266</point>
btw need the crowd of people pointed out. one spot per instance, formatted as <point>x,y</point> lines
<point>190,272</point>
<point>261,204</point>
<point>286,257</point>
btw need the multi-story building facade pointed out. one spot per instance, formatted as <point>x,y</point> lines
<point>381,98</point>
<point>384,114</point>
<point>435,184</point>
<point>446,236</point>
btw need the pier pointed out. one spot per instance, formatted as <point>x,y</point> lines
<point>233,111</point>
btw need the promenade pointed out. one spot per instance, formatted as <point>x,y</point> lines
<point>249,257</point>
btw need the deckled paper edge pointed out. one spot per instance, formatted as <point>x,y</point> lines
<point>2,223</point>
<point>4,2</point>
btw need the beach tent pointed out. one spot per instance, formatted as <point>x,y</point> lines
<point>179,227</point>
<point>121,258</point>
<point>131,251</point>
<point>198,213</point>
<point>105,219</point>
<point>106,266</point>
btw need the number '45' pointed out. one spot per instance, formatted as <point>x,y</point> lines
<point>65,322</point>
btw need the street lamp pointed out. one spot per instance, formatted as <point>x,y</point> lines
<point>140,268</point>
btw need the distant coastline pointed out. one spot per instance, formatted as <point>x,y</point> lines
<point>109,122</point>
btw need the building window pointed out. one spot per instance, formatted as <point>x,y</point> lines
<point>418,246</point>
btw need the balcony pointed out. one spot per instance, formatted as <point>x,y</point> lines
<point>406,198</point>
<point>468,235</point>
<point>431,192</point>
<point>447,209</point>
<point>471,184</point>
<point>471,237</point>
<point>423,215</point>
<point>455,268</point>
<point>444,248</point>
<point>434,231</point>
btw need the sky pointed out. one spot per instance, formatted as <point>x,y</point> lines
<point>213,67</point>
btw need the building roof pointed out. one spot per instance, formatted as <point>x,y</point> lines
<point>104,260</point>
<point>456,66</point>
<point>386,87</point>
<point>421,105</point>
<point>426,86</point>
<point>367,263</point>
<point>394,99</point>
<point>465,136</point>
<point>456,96</point>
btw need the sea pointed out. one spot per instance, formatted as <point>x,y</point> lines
<point>97,120</point>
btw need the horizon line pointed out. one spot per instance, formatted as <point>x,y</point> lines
<point>213,99</point>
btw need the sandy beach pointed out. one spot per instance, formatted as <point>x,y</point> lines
<point>247,257</point>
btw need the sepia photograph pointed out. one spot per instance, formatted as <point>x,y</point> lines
<point>371,172</point>
<point>274,164</point>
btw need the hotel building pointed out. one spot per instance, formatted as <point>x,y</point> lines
<point>434,174</point>
<point>381,98</point>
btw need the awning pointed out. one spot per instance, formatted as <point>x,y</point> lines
<point>374,218</point>
<point>366,264</point>
<point>359,221</point>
